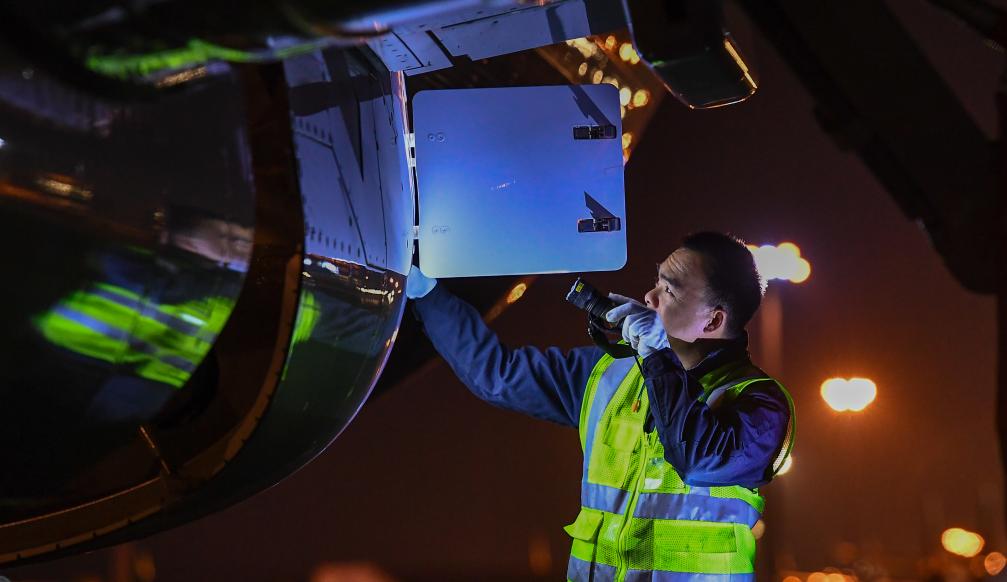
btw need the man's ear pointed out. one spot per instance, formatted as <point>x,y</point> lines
<point>718,319</point>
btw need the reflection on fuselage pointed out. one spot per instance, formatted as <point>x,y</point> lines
<point>346,314</point>
<point>112,352</point>
<point>198,317</point>
<point>155,317</point>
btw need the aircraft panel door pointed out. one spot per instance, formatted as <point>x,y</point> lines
<point>520,180</point>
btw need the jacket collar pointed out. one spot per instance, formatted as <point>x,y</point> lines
<point>723,362</point>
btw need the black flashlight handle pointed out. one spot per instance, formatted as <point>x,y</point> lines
<point>597,331</point>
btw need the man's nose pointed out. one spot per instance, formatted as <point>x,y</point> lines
<point>647,299</point>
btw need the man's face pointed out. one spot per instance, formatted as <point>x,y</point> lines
<point>679,297</point>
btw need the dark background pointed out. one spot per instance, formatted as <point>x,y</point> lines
<point>428,483</point>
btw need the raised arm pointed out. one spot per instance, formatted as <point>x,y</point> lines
<point>546,384</point>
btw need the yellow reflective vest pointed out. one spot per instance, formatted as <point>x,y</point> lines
<point>639,521</point>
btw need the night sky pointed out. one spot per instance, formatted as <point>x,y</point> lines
<point>430,483</point>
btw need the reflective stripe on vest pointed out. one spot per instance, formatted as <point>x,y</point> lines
<point>579,570</point>
<point>696,505</point>
<point>638,519</point>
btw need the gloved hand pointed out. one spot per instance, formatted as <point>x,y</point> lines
<point>418,284</point>
<point>641,327</point>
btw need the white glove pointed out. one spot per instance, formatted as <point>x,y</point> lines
<point>641,327</point>
<point>418,284</point>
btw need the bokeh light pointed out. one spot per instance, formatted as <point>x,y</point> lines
<point>782,262</point>
<point>516,292</point>
<point>853,394</point>
<point>994,563</point>
<point>787,465</point>
<point>628,53</point>
<point>962,542</point>
<point>586,47</point>
<point>625,94</point>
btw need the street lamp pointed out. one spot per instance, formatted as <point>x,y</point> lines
<point>849,395</point>
<point>782,262</point>
<point>962,542</point>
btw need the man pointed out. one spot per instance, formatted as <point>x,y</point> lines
<point>675,445</point>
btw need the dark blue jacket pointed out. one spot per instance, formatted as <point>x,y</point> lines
<point>734,445</point>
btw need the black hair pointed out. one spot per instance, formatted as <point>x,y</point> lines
<point>733,280</point>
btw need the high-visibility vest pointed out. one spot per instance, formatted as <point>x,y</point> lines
<point>638,519</point>
<point>159,342</point>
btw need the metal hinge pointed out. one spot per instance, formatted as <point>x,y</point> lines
<point>411,150</point>
<point>411,160</point>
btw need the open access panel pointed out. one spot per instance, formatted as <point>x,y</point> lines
<point>519,180</point>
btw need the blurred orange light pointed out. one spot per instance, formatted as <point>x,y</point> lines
<point>792,579</point>
<point>641,97</point>
<point>625,94</point>
<point>584,46</point>
<point>801,271</point>
<point>516,292</point>
<point>818,577</point>
<point>852,394</point>
<point>597,76</point>
<point>582,69</point>
<point>143,567</point>
<point>627,139</point>
<point>962,542</point>
<point>994,563</point>
<point>628,53</point>
<point>348,572</point>
<point>539,555</point>
<point>610,42</point>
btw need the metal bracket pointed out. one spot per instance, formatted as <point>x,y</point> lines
<point>599,224</point>
<point>601,219</point>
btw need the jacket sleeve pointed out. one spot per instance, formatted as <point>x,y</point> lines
<point>733,444</point>
<point>546,384</point>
